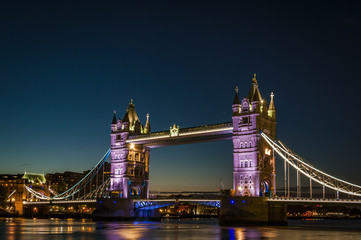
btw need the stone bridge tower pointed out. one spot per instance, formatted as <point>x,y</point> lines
<point>129,162</point>
<point>253,161</point>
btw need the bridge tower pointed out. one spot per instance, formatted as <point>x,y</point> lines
<point>129,162</point>
<point>253,161</point>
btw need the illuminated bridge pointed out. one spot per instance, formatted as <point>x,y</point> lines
<point>255,146</point>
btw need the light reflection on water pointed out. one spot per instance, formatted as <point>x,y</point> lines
<point>38,229</point>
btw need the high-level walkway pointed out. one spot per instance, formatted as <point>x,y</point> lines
<point>204,133</point>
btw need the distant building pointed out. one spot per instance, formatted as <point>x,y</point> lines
<point>60,182</point>
<point>16,191</point>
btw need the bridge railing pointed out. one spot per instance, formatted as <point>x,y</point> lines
<point>78,186</point>
<point>310,171</point>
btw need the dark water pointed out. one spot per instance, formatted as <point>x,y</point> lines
<point>37,229</point>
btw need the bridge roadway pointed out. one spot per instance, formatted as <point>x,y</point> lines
<point>158,203</point>
<point>204,133</point>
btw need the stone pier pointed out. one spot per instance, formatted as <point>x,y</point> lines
<point>241,211</point>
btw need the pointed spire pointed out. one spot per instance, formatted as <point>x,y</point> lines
<point>236,98</point>
<point>254,94</point>
<point>131,104</point>
<point>114,118</point>
<point>147,125</point>
<point>126,117</point>
<point>272,105</point>
<point>131,116</point>
<point>254,80</point>
<point>272,109</point>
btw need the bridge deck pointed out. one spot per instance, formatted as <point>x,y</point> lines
<point>151,202</point>
<point>202,133</point>
<point>331,201</point>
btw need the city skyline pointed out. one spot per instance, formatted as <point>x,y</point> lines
<point>65,68</point>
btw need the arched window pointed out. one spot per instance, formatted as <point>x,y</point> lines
<point>250,163</point>
<point>137,158</point>
<point>241,164</point>
<point>245,164</point>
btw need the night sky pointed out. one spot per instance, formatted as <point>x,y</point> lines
<point>64,68</point>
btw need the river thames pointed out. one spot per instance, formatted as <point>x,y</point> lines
<point>37,229</point>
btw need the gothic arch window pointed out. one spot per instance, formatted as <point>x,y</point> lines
<point>241,164</point>
<point>250,163</point>
<point>245,164</point>
<point>250,143</point>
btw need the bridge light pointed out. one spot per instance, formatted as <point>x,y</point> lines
<point>232,201</point>
<point>267,152</point>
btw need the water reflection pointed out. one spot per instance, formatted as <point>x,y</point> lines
<point>38,229</point>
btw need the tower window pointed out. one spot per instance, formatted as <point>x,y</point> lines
<point>245,120</point>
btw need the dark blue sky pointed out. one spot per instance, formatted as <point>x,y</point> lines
<point>64,68</point>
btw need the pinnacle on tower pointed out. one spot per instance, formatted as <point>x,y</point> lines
<point>147,125</point>
<point>114,118</point>
<point>271,105</point>
<point>236,98</point>
<point>271,108</point>
<point>254,80</point>
<point>254,94</point>
<point>131,104</point>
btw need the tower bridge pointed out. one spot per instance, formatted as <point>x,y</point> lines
<point>253,168</point>
<point>253,133</point>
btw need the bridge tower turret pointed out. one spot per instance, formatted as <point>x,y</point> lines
<point>129,162</point>
<point>253,161</point>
